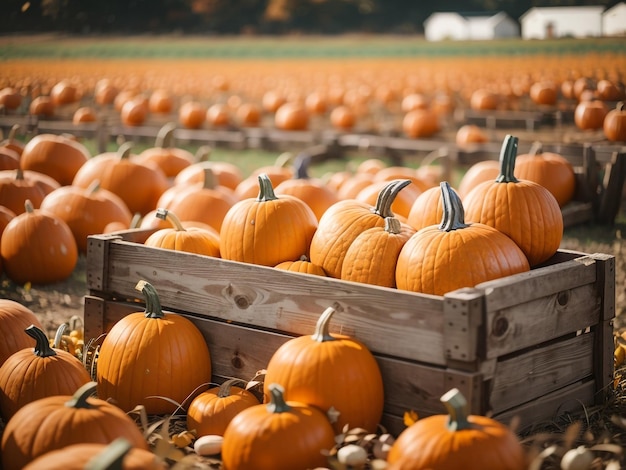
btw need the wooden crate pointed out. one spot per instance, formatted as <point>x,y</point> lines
<point>533,345</point>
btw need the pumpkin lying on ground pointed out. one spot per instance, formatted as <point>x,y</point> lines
<point>15,318</point>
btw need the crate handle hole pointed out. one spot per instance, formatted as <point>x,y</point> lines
<point>500,327</point>
<point>562,298</point>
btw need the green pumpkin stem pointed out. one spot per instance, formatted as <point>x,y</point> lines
<point>172,218</point>
<point>508,152</point>
<point>19,174</point>
<point>387,195</point>
<point>266,190</point>
<point>42,345</point>
<point>203,154</point>
<point>277,402</point>
<point>153,304</point>
<point>453,212</point>
<point>456,406</point>
<point>79,399</point>
<point>322,327</point>
<point>28,206</point>
<point>112,457</point>
<point>224,390</point>
<point>165,137</point>
<point>393,225</point>
<point>301,167</point>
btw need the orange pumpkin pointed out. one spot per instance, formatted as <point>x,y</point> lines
<point>15,318</point>
<point>105,92</point>
<point>211,411</point>
<point>420,123</point>
<point>30,374</point>
<point>169,158</point>
<point>523,210</point>
<point>160,101</point>
<point>303,265</point>
<point>134,112</point>
<point>65,92</point>
<point>421,268</point>
<point>9,159</point>
<point>11,141</point>
<point>84,114</point>
<point>166,355</point>
<point>58,421</point>
<point>16,187</point>
<point>192,114</point>
<point>10,98</point>
<point>427,209</point>
<point>544,92</point>
<point>590,114</point>
<point>470,134</point>
<point>483,99</point>
<point>291,116</point>
<point>610,90</point>
<point>218,115</point>
<point>456,440</point>
<point>342,118</point>
<point>42,106</point>
<point>485,170</point>
<point>227,174</point>
<point>614,125</point>
<point>268,229</point>
<point>307,364</point>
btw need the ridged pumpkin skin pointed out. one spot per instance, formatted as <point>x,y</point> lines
<point>303,265</point>
<point>267,230</point>
<point>550,170</point>
<point>446,257</point>
<point>15,318</point>
<point>152,353</point>
<point>486,170</point>
<point>614,125</point>
<point>38,247</point>
<point>523,210</point>
<point>16,187</point>
<point>277,436</point>
<point>170,159</point>
<point>30,374</point>
<point>54,422</point>
<point>456,440</point>
<point>344,221</point>
<point>57,156</point>
<point>332,372</point>
<point>211,411</point>
<point>427,209</point>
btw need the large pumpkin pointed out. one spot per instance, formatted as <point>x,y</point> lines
<point>58,421</point>
<point>268,229</point>
<point>334,372</point>
<point>152,353</point>
<point>280,435</point>
<point>523,210</point>
<point>30,374</point>
<point>15,318</point>
<point>422,268</point>
<point>456,440</point>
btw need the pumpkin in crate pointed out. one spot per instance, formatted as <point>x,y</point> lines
<point>18,185</point>
<point>165,155</point>
<point>58,156</point>
<point>279,435</point>
<point>58,421</point>
<point>30,374</point>
<point>614,125</point>
<point>15,318</point>
<point>268,229</point>
<point>152,354</point>
<point>551,170</point>
<point>38,247</point>
<point>210,412</point>
<point>87,211</point>
<point>456,440</point>
<point>279,171</point>
<point>523,210</point>
<point>302,265</point>
<point>344,221</point>
<point>307,365</point>
<point>422,268</point>
<point>427,209</point>
<point>479,172</point>
<point>402,203</point>
<point>138,185</point>
<point>227,174</point>
<point>191,240</point>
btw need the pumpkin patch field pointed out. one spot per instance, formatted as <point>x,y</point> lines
<point>346,253</point>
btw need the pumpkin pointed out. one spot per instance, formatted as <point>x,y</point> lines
<point>479,172</point>
<point>6,215</point>
<point>272,100</point>
<point>551,170</point>
<point>396,172</point>
<point>87,211</point>
<point>42,106</point>
<point>342,118</point>
<point>614,125</point>
<point>352,186</point>
<point>119,454</point>
<point>10,98</point>
<point>160,101</point>
<point>316,103</point>
<point>344,221</point>
<point>135,111</point>
<point>192,114</point>
<point>310,190</point>
<point>298,432</point>
<point>303,265</point>
<point>610,90</point>
<point>84,114</point>
<point>268,229</point>
<point>470,134</point>
<point>248,114</point>
<point>16,187</point>
<point>590,114</point>
<point>11,141</point>
<point>291,116</point>
<point>105,92</point>
<point>218,115</point>
<point>211,411</point>
<point>420,123</point>
<point>170,159</point>
<point>165,355</point>
<point>456,440</point>
<point>139,186</point>
<point>58,421</point>
<point>523,210</point>
<point>64,93</point>
<point>483,99</point>
<point>421,268</point>
<point>308,364</point>
<point>544,92</point>
<point>413,101</point>
<point>179,238</point>
<point>9,159</point>
<point>372,256</point>
<point>227,174</point>
<point>58,156</point>
<point>38,247</point>
<point>15,318</point>
<point>403,201</point>
<point>427,209</point>
<point>30,374</point>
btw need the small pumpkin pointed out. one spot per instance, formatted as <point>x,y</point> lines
<point>42,106</point>
<point>30,374</point>
<point>84,114</point>
<point>16,186</point>
<point>483,99</point>
<point>11,141</point>
<point>210,412</point>
<point>9,159</point>
<point>614,125</point>
<point>134,112</point>
<point>343,118</point>
<point>291,116</point>
<point>169,158</point>
<point>227,174</point>
<point>456,440</point>
<point>248,114</point>
<point>308,364</point>
<point>302,265</point>
<point>166,355</point>
<point>544,92</point>
<point>300,431</point>
<point>192,114</point>
<point>10,98</point>
<point>65,92</point>
<point>15,318</point>
<point>218,115</point>
<point>470,134</point>
<point>420,123</point>
<point>58,421</point>
<point>590,114</point>
<point>161,101</point>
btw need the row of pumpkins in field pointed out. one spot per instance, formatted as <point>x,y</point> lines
<point>421,113</point>
<point>382,225</point>
<point>316,389</point>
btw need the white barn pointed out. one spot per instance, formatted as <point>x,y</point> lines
<point>614,20</point>
<point>465,26</point>
<point>558,22</point>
